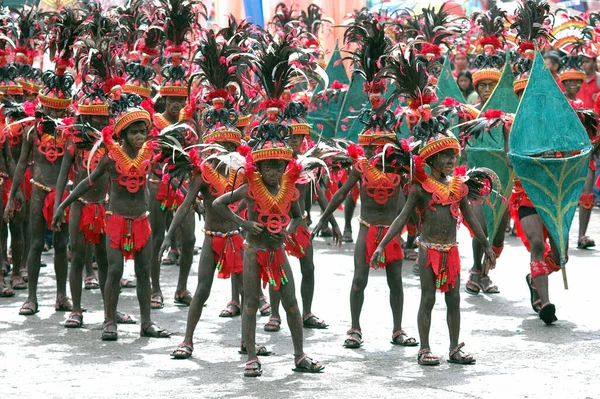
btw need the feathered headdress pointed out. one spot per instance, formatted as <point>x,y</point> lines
<point>268,139</point>
<point>570,68</point>
<point>29,45</point>
<point>284,18</point>
<point>490,60</point>
<point>127,109</point>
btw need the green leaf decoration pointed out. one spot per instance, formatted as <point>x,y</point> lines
<point>546,122</point>
<point>447,86</point>
<point>353,102</point>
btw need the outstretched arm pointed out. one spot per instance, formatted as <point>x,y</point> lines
<point>322,201</point>
<point>63,175</point>
<point>221,205</point>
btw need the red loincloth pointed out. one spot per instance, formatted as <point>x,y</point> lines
<point>392,251</point>
<point>445,266</point>
<point>517,199</point>
<point>228,254</point>
<point>170,199</point>
<point>270,262</point>
<point>26,185</point>
<point>48,207</point>
<point>296,243</point>
<point>92,222</point>
<point>128,235</point>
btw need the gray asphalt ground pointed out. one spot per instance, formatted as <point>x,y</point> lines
<point>517,355</point>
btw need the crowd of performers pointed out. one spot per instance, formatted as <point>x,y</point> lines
<point>150,115</point>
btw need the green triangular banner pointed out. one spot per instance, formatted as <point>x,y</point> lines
<point>488,151</point>
<point>348,125</point>
<point>447,86</point>
<point>545,122</point>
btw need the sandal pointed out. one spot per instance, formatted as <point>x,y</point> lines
<point>406,340</point>
<point>63,304</point>
<point>184,351</point>
<point>487,286</point>
<point>425,358</point>
<point>471,287</point>
<point>261,350</point>
<point>273,325</point>
<point>415,269</point>
<point>535,303</point>
<point>410,254</point>
<point>231,310</point>
<point>197,250</point>
<point>27,309</point>
<point>312,321</point>
<point>548,313</point>
<point>17,283</point>
<point>123,318</point>
<point>171,258</point>
<point>326,232</point>
<point>95,265</point>
<point>24,274</point>
<point>347,236</point>
<point>265,309</point>
<point>305,364</point>
<point>109,332</point>
<point>5,292</point>
<point>353,339</point>
<point>75,320</point>
<point>151,330</point>
<point>157,300</point>
<point>91,282</point>
<point>184,298</point>
<point>253,368</point>
<point>127,283</point>
<point>585,242</point>
<point>463,357</point>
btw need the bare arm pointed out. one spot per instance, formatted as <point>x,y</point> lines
<point>341,194</point>
<point>322,201</point>
<point>473,223</point>
<point>10,162</point>
<point>188,202</point>
<point>221,205</point>
<point>63,175</point>
<point>296,218</point>
<point>21,168</point>
<point>402,218</point>
<point>84,185</point>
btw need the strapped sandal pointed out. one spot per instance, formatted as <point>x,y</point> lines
<point>488,287</point>
<point>305,364</point>
<point>231,310</point>
<point>151,330</point>
<point>326,232</point>
<point>184,298</point>
<point>410,254</point>
<point>585,242</point>
<point>184,351</point>
<point>548,313</point>
<point>171,258</point>
<point>261,350</point>
<point>425,358</point>
<point>63,304</point>
<point>253,368</point>
<point>312,321</point>
<point>95,265</point>
<point>27,309</point>
<point>265,309</point>
<point>273,325</point>
<point>471,287</point>
<point>347,236</point>
<point>535,304</point>
<point>75,320</point>
<point>5,292</point>
<point>464,358</point>
<point>406,340</point>
<point>24,274</point>
<point>157,300</point>
<point>91,282</point>
<point>109,331</point>
<point>127,283</point>
<point>123,318</point>
<point>17,283</point>
<point>353,339</point>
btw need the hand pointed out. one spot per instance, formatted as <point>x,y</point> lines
<point>199,208</point>
<point>166,245</point>
<point>317,229</point>
<point>9,210</point>
<point>253,227</point>
<point>20,199</point>
<point>57,219</point>
<point>337,235</point>
<point>489,263</point>
<point>376,257</point>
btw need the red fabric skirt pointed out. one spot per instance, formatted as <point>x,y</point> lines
<point>128,235</point>
<point>228,254</point>
<point>92,222</point>
<point>170,199</point>
<point>392,251</point>
<point>296,243</point>
<point>270,263</point>
<point>6,187</point>
<point>26,185</point>
<point>445,266</point>
<point>48,207</point>
<point>519,198</point>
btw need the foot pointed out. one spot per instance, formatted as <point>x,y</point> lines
<point>127,283</point>
<point>231,310</point>
<point>273,325</point>
<point>426,358</point>
<point>401,339</point>
<point>95,265</point>
<point>353,339</point>
<point>152,330</point>
<point>326,232</point>
<point>415,268</point>
<point>265,306</point>
<point>473,285</point>
<point>171,258</point>
<point>457,356</point>
<point>63,304</point>
<point>75,320</point>
<point>157,300</point>
<point>585,242</point>
<point>5,292</point>
<point>109,332</point>
<point>17,283</point>
<point>253,368</point>
<point>312,321</point>
<point>410,254</point>
<point>184,351</point>
<point>534,297</point>
<point>347,236</point>
<point>24,274</point>
<point>260,350</point>
<point>91,282</point>
<point>305,364</point>
<point>197,250</point>
<point>548,313</point>
<point>183,298</point>
<point>487,286</point>
<point>123,318</point>
<point>28,308</point>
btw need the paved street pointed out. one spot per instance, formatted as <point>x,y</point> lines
<point>517,355</point>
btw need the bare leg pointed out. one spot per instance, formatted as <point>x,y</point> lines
<point>534,230</point>
<point>349,207</point>
<point>584,212</point>
<point>453,313</point>
<point>290,305</point>
<point>157,220</point>
<point>427,298</point>
<point>142,275</point>
<point>360,279</point>
<point>251,278</point>
<point>61,260</point>
<point>38,231</point>
<point>78,254</point>
<point>188,239</point>
<point>16,243</point>
<point>101,259</point>
<point>394,280</point>
<point>113,281</point>
<point>307,285</point>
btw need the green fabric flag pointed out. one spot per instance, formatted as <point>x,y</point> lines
<point>326,113</point>
<point>447,86</point>
<point>546,122</point>
<point>488,151</point>
<point>348,125</point>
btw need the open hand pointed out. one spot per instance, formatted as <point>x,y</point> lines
<point>166,245</point>
<point>317,229</point>
<point>57,219</point>
<point>253,227</point>
<point>376,257</point>
<point>489,262</point>
<point>337,235</point>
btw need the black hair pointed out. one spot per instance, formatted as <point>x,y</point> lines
<point>554,56</point>
<point>469,76</point>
